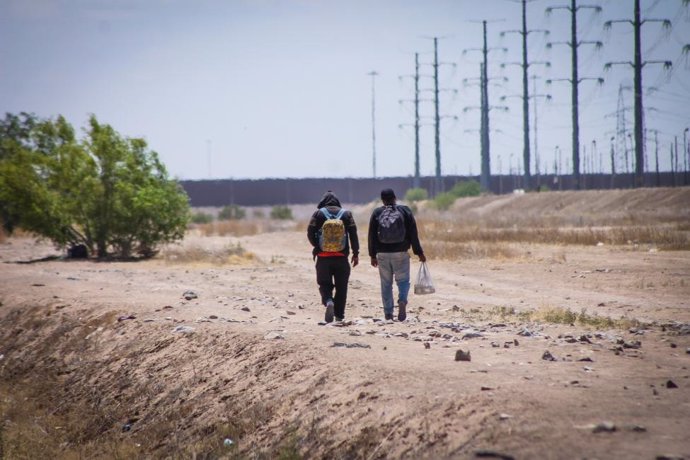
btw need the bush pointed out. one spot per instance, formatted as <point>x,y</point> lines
<point>416,194</point>
<point>467,188</point>
<point>444,200</point>
<point>106,191</point>
<point>281,213</point>
<point>202,218</point>
<point>232,212</point>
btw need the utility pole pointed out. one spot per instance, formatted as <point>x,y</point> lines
<point>416,179</point>
<point>575,79</point>
<point>373,74</point>
<point>525,99</point>
<point>621,137</point>
<point>535,96</point>
<point>484,108</point>
<point>486,156</point>
<point>656,157</point>
<point>674,159</point>
<point>485,176</point>
<point>416,182</point>
<point>525,91</point>
<point>637,65</point>
<point>437,119</point>
<point>685,157</point>
<point>613,162</point>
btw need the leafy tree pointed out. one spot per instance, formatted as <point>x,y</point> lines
<point>444,201</point>
<point>232,212</point>
<point>108,192</point>
<point>202,218</point>
<point>466,188</point>
<point>416,194</point>
<point>281,213</point>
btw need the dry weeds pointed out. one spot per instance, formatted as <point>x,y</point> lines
<point>228,255</point>
<point>245,227</point>
<point>663,237</point>
<point>559,315</point>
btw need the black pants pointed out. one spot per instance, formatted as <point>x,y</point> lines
<point>333,272</point>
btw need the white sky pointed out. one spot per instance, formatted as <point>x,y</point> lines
<point>268,88</point>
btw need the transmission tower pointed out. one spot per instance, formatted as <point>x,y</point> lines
<point>436,118</point>
<point>621,134</point>
<point>416,180</point>
<point>373,75</point>
<point>637,64</point>
<point>575,80</point>
<point>485,175</point>
<point>524,32</point>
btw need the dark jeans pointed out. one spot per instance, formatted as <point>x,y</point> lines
<point>333,272</point>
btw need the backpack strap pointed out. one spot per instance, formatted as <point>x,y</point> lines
<point>328,215</point>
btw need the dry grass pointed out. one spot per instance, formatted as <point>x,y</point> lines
<point>245,227</point>
<point>559,315</point>
<point>228,255</point>
<point>450,250</point>
<point>646,218</point>
<point>665,237</point>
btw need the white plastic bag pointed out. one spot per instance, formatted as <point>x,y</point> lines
<point>424,285</point>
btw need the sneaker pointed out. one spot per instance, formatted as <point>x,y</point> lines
<point>389,316</point>
<point>339,319</point>
<point>402,311</point>
<point>329,311</point>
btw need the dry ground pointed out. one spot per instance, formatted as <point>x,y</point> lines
<point>95,360</point>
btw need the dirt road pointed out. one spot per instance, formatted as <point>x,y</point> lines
<point>158,375</point>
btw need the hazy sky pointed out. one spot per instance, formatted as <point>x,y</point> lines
<point>269,88</point>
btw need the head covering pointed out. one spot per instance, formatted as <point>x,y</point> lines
<point>329,199</point>
<point>387,194</point>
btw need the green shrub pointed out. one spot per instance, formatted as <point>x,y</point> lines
<point>444,200</point>
<point>281,213</point>
<point>416,194</point>
<point>467,188</point>
<point>202,218</point>
<point>106,191</point>
<point>232,212</point>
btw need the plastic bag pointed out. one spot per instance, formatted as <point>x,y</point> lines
<point>424,285</point>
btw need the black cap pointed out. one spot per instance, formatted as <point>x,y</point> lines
<point>387,194</point>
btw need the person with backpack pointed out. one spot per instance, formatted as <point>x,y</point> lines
<point>392,231</point>
<point>329,230</point>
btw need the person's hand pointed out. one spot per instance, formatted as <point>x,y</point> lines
<point>374,262</point>
<point>355,261</point>
<point>314,253</point>
<point>422,258</point>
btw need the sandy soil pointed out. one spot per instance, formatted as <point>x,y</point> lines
<point>259,369</point>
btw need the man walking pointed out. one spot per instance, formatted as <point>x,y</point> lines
<point>392,230</point>
<point>331,232</point>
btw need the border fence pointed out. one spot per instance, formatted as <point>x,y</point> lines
<point>270,192</point>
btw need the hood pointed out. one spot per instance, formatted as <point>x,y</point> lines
<point>329,199</point>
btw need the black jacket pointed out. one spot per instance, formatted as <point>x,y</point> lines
<point>411,237</point>
<point>331,202</point>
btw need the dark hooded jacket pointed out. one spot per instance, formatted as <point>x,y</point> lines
<point>332,204</point>
<point>411,235</point>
